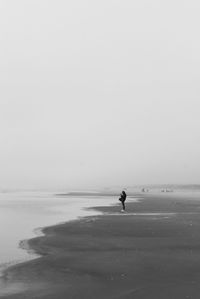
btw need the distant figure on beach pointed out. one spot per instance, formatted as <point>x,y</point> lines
<point>122,199</point>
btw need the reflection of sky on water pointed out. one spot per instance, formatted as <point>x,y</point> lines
<point>21,213</point>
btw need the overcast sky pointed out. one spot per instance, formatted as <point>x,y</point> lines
<point>99,93</point>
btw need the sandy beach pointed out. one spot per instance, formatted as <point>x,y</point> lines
<point>151,251</point>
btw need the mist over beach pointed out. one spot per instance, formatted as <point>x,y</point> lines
<point>99,172</point>
<point>99,95</point>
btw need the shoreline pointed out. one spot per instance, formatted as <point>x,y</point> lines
<point>151,252</point>
<point>65,211</point>
<point>6,288</point>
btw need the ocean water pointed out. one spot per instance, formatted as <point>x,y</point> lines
<point>23,213</point>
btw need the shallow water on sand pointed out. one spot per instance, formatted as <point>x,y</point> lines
<point>22,212</point>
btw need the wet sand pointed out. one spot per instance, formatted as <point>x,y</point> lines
<point>151,251</point>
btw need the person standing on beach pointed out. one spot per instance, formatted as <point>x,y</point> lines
<point>122,199</point>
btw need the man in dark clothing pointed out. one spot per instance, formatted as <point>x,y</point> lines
<point>122,199</point>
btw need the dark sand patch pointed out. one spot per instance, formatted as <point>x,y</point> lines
<point>132,255</point>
